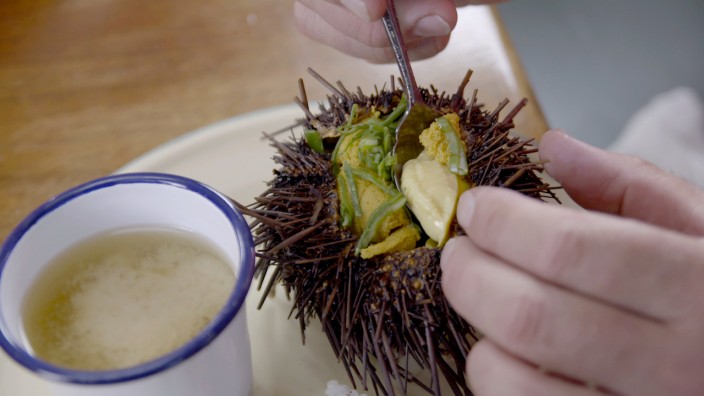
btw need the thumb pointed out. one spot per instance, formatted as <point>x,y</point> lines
<point>623,185</point>
<point>418,19</point>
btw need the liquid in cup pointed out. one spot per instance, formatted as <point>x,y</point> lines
<point>217,361</point>
<point>125,297</point>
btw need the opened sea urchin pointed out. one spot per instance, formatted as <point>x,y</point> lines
<point>363,257</point>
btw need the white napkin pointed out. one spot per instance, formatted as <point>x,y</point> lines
<point>669,132</point>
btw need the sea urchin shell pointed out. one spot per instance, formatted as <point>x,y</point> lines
<point>385,317</point>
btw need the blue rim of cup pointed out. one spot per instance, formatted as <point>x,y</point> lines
<point>203,339</point>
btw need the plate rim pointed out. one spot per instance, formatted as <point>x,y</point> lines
<point>203,133</point>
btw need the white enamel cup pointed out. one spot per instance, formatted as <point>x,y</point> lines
<point>216,362</point>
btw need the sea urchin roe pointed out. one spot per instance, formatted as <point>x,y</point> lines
<point>363,161</point>
<point>433,182</point>
<point>443,142</point>
<point>402,239</point>
<point>380,213</point>
<point>432,192</point>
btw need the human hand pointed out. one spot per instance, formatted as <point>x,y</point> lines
<point>611,297</point>
<point>355,28</point>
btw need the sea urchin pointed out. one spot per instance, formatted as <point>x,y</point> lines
<point>385,315</point>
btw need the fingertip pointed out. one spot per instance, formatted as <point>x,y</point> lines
<point>427,47</point>
<point>555,133</point>
<point>454,264</point>
<point>431,26</point>
<point>465,208</point>
<point>560,151</point>
<point>447,252</point>
<point>426,19</point>
<point>476,368</point>
<point>490,199</point>
<point>459,245</point>
<point>551,141</point>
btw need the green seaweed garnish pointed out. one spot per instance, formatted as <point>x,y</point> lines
<point>458,157</point>
<point>376,219</point>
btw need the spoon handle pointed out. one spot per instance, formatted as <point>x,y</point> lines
<point>404,64</point>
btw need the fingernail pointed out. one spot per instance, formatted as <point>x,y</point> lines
<point>447,252</point>
<point>431,26</point>
<point>357,7</point>
<point>465,208</point>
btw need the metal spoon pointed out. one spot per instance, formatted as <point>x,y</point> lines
<point>418,115</point>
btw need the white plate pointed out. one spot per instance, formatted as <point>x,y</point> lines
<point>232,157</point>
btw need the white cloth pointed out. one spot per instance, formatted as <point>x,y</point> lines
<point>669,132</point>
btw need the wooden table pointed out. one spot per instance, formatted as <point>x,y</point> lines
<point>86,86</point>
